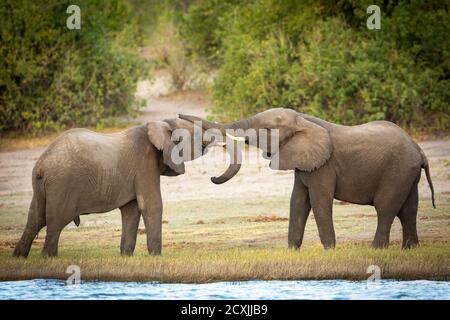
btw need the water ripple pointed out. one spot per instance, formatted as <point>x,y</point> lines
<point>324,289</point>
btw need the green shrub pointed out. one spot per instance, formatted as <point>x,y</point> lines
<point>319,57</point>
<point>52,77</point>
<point>201,30</point>
<point>346,77</point>
<point>337,75</point>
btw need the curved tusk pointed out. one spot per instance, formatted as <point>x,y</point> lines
<point>235,138</point>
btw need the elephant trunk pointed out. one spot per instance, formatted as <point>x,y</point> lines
<point>241,124</point>
<point>235,157</point>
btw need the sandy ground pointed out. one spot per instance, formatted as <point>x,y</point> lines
<point>255,180</point>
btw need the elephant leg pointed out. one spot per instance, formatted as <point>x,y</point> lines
<point>385,218</point>
<point>321,197</point>
<point>150,205</point>
<point>408,219</point>
<point>35,223</point>
<point>58,214</point>
<point>299,212</point>
<point>388,202</point>
<point>130,223</point>
<point>51,241</point>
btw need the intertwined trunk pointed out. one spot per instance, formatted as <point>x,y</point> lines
<point>236,156</point>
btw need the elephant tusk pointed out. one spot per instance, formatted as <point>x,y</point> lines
<point>235,138</point>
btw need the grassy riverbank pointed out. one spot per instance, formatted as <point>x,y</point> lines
<point>214,241</point>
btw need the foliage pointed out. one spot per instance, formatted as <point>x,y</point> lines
<point>200,28</point>
<point>51,77</point>
<point>167,47</point>
<point>319,57</point>
<point>314,56</point>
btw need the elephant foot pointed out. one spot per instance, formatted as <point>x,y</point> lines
<point>328,245</point>
<point>20,252</point>
<point>49,253</point>
<point>380,244</point>
<point>294,245</point>
<point>410,244</point>
<point>154,246</point>
<point>126,253</point>
<point>154,252</point>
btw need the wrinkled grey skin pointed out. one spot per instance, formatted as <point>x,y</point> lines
<point>375,163</point>
<point>84,172</point>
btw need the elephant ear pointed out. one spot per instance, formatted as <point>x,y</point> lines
<point>308,149</point>
<point>160,135</point>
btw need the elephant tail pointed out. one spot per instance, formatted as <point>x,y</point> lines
<point>426,167</point>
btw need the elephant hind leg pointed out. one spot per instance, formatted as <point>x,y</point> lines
<point>388,202</point>
<point>51,242</point>
<point>385,217</point>
<point>58,215</point>
<point>130,224</point>
<point>35,222</point>
<point>408,219</point>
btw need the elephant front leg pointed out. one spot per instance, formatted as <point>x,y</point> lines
<point>150,206</point>
<point>299,212</point>
<point>130,224</point>
<point>321,199</point>
<point>153,226</point>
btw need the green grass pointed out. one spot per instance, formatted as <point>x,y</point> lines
<point>347,261</point>
<point>229,240</point>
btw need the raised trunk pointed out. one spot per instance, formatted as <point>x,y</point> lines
<point>236,157</point>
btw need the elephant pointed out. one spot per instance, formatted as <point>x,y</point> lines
<point>83,172</point>
<point>376,163</point>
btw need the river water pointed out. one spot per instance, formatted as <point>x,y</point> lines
<point>324,289</point>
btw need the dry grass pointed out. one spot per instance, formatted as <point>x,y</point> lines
<point>348,261</point>
<point>231,244</point>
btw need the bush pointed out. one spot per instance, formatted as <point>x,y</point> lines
<point>52,77</point>
<point>319,57</point>
<point>167,47</point>
<point>348,78</point>
<point>201,28</point>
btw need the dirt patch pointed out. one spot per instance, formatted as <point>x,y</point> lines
<point>262,218</point>
<point>169,106</point>
<point>7,244</point>
<point>436,217</point>
<point>363,215</point>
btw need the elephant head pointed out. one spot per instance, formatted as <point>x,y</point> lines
<point>182,140</point>
<point>299,143</point>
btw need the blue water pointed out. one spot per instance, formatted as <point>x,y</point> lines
<point>323,289</point>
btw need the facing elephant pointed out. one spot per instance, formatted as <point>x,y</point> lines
<point>84,172</point>
<point>375,163</point>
